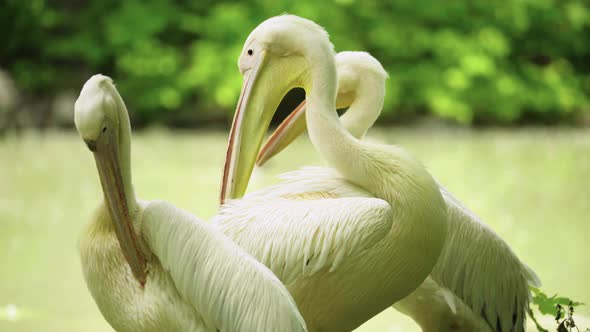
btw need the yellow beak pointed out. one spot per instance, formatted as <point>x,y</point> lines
<point>264,86</point>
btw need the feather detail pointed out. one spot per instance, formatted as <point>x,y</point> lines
<point>449,298</point>
<point>482,270</point>
<point>203,265</point>
<point>312,234</point>
<point>309,195</point>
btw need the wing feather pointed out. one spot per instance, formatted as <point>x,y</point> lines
<point>302,237</point>
<point>482,270</point>
<point>230,289</point>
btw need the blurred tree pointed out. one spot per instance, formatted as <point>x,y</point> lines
<point>175,61</point>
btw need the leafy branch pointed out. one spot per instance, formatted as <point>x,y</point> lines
<point>555,306</point>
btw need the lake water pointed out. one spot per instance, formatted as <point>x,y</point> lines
<point>531,186</point>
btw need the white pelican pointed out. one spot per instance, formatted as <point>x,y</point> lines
<point>343,260</point>
<point>479,284</point>
<point>153,267</point>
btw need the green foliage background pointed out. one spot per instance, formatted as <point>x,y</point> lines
<point>509,61</point>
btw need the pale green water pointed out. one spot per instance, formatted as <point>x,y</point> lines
<point>532,187</point>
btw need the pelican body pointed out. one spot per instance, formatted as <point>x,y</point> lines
<point>153,267</point>
<point>478,283</point>
<point>343,259</point>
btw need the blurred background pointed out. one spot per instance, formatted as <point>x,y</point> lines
<point>493,97</point>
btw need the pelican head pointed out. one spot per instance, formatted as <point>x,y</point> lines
<point>275,58</point>
<point>355,70</point>
<point>99,122</point>
<point>95,112</point>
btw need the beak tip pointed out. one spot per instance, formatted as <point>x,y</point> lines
<point>261,161</point>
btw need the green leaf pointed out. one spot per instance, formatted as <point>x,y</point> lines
<point>547,304</point>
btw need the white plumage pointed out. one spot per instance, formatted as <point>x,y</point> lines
<point>344,259</point>
<point>153,267</point>
<point>478,284</point>
<point>482,270</point>
<point>305,233</point>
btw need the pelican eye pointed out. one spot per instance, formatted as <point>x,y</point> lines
<point>250,52</point>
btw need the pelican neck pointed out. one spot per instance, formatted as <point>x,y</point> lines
<point>329,137</point>
<point>366,106</point>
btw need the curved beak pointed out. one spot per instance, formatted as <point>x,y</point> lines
<point>293,126</point>
<point>263,88</point>
<point>106,156</point>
